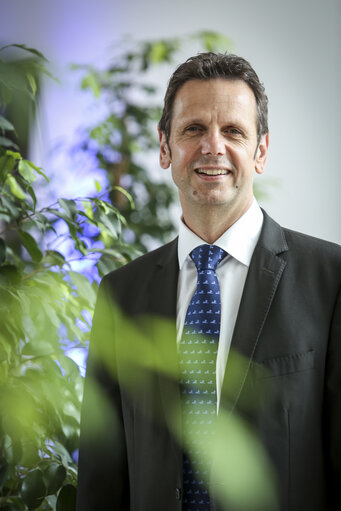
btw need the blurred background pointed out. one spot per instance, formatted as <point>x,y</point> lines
<point>293,46</point>
<point>94,135</point>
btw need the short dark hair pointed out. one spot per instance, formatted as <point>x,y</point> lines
<point>208,66</point>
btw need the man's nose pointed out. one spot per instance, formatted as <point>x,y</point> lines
<point>213,143</point>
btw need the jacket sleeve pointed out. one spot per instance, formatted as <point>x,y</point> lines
<point>103,473</point>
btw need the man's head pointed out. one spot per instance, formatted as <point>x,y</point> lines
<point>208,66</point>
<point>214,135</point>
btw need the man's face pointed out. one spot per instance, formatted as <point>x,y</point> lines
<point>213,148</point>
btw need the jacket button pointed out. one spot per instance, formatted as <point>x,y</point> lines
<point>178,493</point>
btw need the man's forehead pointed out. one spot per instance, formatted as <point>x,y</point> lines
<point>218,94</point>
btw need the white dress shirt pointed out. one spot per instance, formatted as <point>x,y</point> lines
<point>239,241</point>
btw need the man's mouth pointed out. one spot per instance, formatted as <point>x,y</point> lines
<point>213,172</point>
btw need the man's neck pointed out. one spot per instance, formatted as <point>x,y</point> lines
<point>211,223</point>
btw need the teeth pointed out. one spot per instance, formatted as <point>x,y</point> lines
<point>213,172</point>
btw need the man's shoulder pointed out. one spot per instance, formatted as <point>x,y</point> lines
<point>301,245</point>
<point>302,251</point>
<point>303,240</point>
<point>130,285</point>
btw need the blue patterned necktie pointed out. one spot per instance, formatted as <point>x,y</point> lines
<point>197,359</point>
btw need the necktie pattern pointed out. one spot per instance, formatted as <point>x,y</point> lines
<point>197,359</point>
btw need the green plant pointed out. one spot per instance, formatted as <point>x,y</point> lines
<point>127,93</point>
<point>45,303</point>
<point>45,309</point>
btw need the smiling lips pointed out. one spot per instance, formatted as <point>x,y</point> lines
<point>213,172</point>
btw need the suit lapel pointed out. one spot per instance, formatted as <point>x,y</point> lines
<point>261,284</point>
<point>163,284</point>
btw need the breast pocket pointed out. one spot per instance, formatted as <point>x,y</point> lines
<point>285,365</point>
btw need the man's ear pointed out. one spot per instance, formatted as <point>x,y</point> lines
<point>262,153</point>
<point>165,158</point>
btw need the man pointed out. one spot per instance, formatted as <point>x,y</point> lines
<point>276,443</point>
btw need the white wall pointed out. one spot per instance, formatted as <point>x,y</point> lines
<point>294,46</point>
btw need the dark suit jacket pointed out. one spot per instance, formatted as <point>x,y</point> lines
<point>285,384</point>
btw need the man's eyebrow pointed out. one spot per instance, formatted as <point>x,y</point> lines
<point>225,123</point>
<point>192,120</point>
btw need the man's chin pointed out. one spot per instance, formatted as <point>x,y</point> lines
<point>213,199</point>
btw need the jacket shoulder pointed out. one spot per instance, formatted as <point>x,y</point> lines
<point>145,263</point>
<point>278,239</point>
<point>312,246</point>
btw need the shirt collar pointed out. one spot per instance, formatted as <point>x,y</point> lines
<point>239,241</point>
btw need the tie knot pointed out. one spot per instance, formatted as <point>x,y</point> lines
<point>207,257</point>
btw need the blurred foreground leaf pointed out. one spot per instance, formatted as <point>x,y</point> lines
<point>46,306</point>
<point>33,489</point>
<point>54,477</point>
<point>66,500</point>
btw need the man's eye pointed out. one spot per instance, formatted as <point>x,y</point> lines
<point>233,131</point>
<point>192,129</point>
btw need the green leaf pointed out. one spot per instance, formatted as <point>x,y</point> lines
<point>30,454</point>
<point>51,500</point>
<point>70,426</point>
<point>214,41</point>
<point>54,258</point>
<point>71,225</point>
<point>13,450</point>
<point>4,471</point>
<point>25,48</point>
<point>31,246</point>
<point>98,185</point>
<point>91,82</point>
<point>38,170</point>
<point>25,169</point>
<point>9,275</point>
<point>51,315</point>
<point>80,245</point>
<point>11,76</point>
<point>16,155</point>
<point>2,251</point>
<point>62,453</point>
<point>106,264</point>
<point>6,142</point>
<point>88,209</point>
<point>15,188</point>
<point>30,190</point>
<point>6,165</point>
<point>69,366</point>
<point>32,82</point>
<point>5,217</point>
<point>69,207</point>
<point>72,411</point>
<point>66,500</point>
<point>3,372</point>
<point>5,124</point>
<point>83,285</point>
<point>5,94</point>
<point>54,477</point>
<point>33,489</point>
<point>42,69</point>
<point>41,222</point>
<point>158,52</point>
<point>111,223</point>
<point>126,194</point>
<point>11,207</point>
<point>38,349</point>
